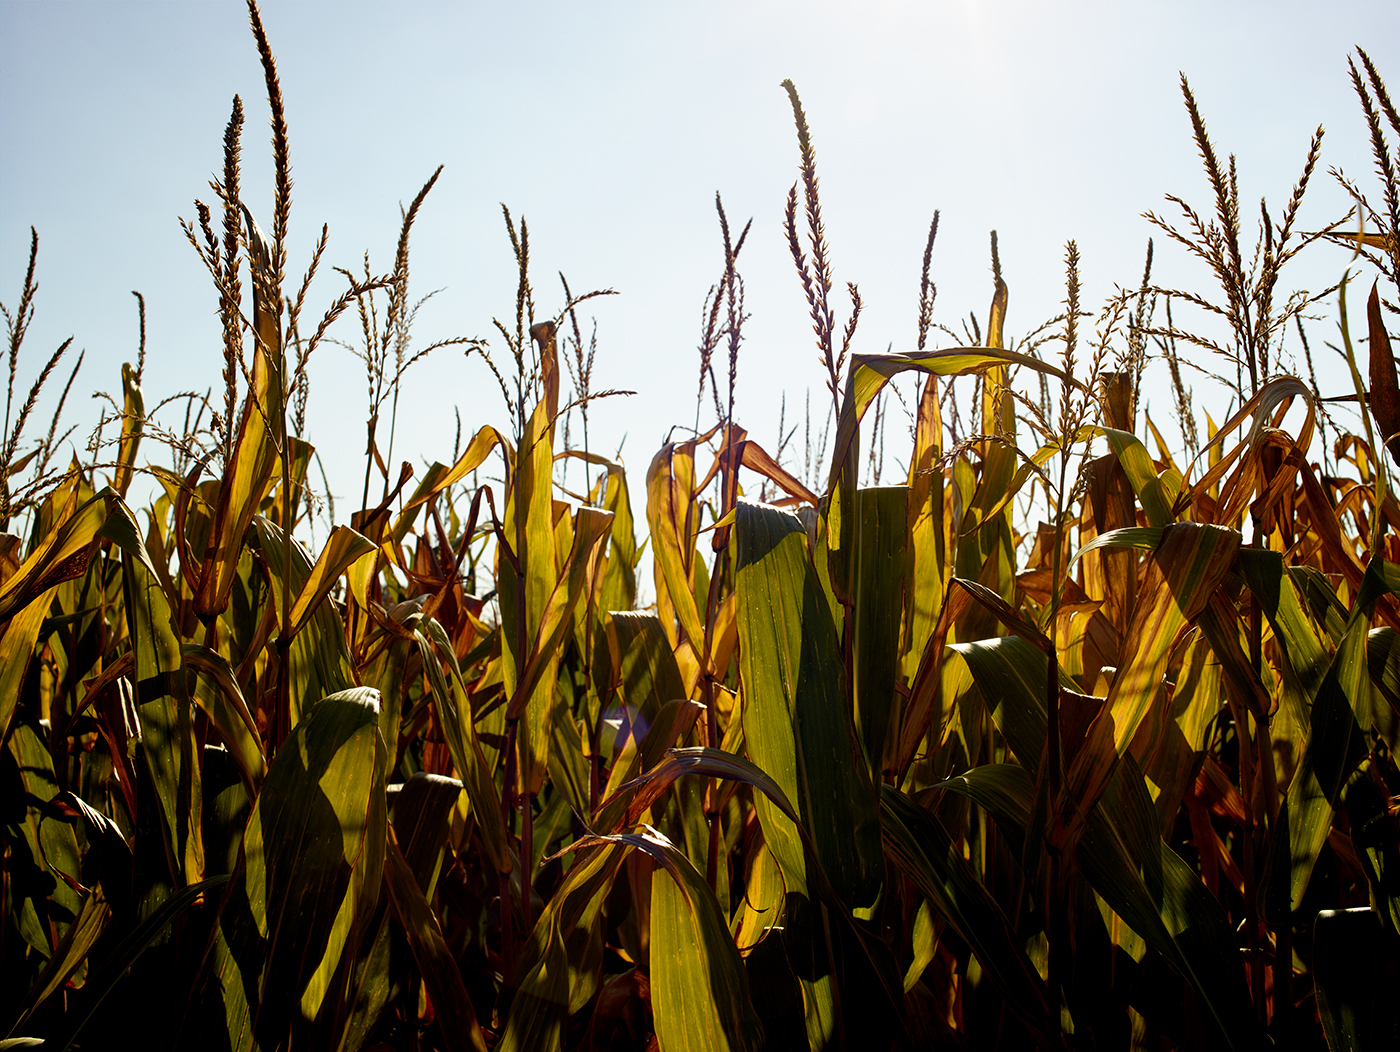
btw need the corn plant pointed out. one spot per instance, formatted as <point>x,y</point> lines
<point>882,766</point>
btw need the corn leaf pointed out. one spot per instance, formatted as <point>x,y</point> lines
<point>343,547</point>
<point>649,676</point>
<point>867,375</point>
<point>699,990</point>
<point>460,1030</point>
<point>797,724</point>
<point>69,955</point>
<point>222,701</point>
<point>455,714</point>
<point>314,854</point>
<point>671,519</point>
<point>318,657</point>
<point>167,738</point>
<point>1155,493</point>
<point>1122,852</point>
<point>123,956</point>
<point>18,636</point>
<point>881,560</point>
<point>40,903</point>
<point>917,842</point>
<point>1161,898</point>
<point>1336,744</point>
<point>1184,573</point>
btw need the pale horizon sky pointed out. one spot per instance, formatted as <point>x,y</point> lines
<point>610,126</point>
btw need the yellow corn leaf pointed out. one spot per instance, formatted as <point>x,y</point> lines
<point>672,518</point>
<point>17,640</point>
<point>761,907</point>
<point>61,555</point>
<point>343,548</point>
<point>1184,572</point>
<point>133,420</point>
<point>223,702</point>
<point>439,477</point>
<point>534,692</point>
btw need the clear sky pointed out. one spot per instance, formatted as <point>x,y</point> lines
<point>610,126</point>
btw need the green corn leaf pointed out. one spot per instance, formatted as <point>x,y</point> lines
<point>1161,898</point>
<point>314,858</point>
<point>167,733</point>
<point>69,955</point>
<point>699,989</point>
<point>541,1005</point>
<point>40,903</point>
<point>648,671</point>
<point>555,980</point>
<point>455,714</point>
<point>526,583</point>
<point>421,811</point>
<point>591,532</point>
<point>797,723</point>
<point>879,604</point>
<point>673,720</point>
<point>1155,493</point>
<point>1383,661</point>
<point>1335,745</point>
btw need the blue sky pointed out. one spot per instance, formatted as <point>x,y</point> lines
<point>610,126</point>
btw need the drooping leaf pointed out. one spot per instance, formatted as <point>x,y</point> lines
<point>460,1030</point>
<point>867,375</point>
<point>123,956</point>
<point>1185,570</point>
<point>222,701</point>
<point>699,989</point>
<point>318,657</point>
<point>343,547</point>
<point>69,955</point>
<point>920,846</point>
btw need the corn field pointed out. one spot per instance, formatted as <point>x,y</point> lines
<point>1071,739</point>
